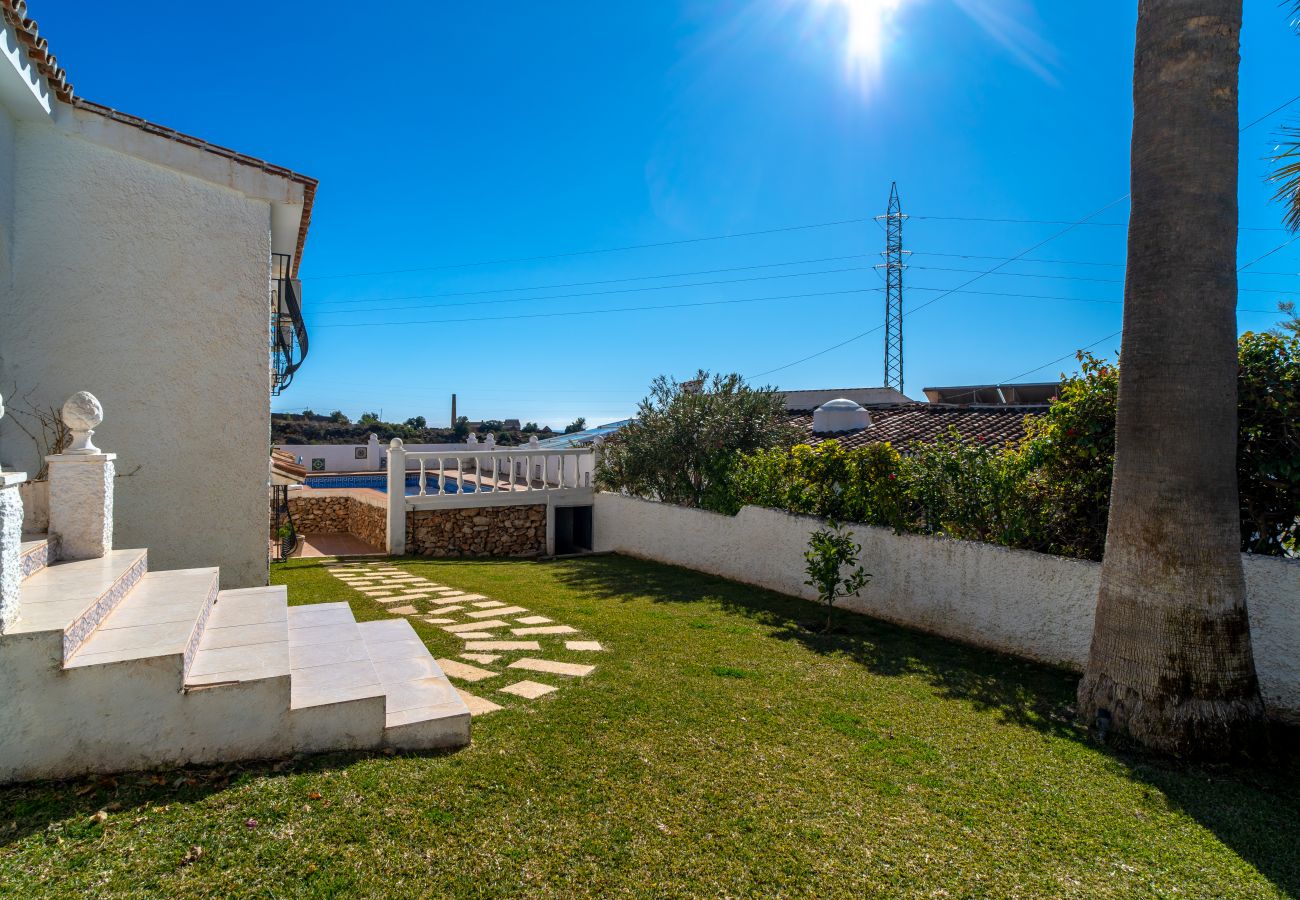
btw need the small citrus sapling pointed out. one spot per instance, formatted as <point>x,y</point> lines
<point>832,551</point>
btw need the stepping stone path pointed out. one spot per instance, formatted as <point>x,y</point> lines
<point>472,618</point>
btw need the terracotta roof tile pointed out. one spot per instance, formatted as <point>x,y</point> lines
<point>904,424</point>
<point>37,48</point>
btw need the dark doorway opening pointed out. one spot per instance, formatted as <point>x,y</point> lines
<point>572,529</point>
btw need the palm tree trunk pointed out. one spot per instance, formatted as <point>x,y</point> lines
<point>1170,664</point>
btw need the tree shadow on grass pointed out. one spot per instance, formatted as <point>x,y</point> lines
<point>1025,693</point>
<point>1255,811</point>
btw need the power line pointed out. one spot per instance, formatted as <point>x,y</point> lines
<point>962,286</point>
<point>1107,301</point>
<point>1061,222</point>
<point>1063,358</point>
<point>1100,280</point>
<point>593,312</point>
<point>1268,114</point>
<point>661,287</point>
<point>572,253</point>
<point>552,287</point>
<point>1081,262</point>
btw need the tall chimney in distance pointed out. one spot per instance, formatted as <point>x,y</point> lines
<point>453,410</point>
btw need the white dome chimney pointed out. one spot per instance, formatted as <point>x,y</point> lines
<point>840,415</point>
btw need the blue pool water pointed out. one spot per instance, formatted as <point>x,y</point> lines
<point>379,482</point>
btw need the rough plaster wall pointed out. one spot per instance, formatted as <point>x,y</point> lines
<point>1029,604</point>
<point>6,231</point>
<point>149,289</point>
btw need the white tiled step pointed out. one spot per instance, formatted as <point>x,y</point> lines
<point>73,597</point>
<point>423,710</point>
<point>327,657</point>
<point>336,699</point>
<point>163,615</point>
<point>246,638</point>
<point>35,552</point>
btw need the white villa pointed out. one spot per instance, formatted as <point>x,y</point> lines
<point>146,265</point>
<point>157,271</point>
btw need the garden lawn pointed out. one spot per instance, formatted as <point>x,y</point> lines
<point>721,747</point>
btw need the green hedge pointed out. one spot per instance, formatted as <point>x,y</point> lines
<point>1050,492</point>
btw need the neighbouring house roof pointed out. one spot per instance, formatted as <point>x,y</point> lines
<point>285,468</point>
<point>582,438</point>
<point>866,396</point>
<point>37,49</point>
<point>1022,394</point>
<point>904,424</point>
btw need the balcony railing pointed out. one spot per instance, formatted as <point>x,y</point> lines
<point>288,331</point>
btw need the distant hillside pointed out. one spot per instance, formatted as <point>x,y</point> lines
<point>296,428</point>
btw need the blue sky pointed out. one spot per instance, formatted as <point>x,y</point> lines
<point>449,135</point>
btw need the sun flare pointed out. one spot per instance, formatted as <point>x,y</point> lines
<point>866,28</point>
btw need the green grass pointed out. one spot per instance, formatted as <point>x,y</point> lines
<point>722,747</point>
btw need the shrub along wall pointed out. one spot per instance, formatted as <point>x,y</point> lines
<point>1029,604</point>
<point>1051,492</point>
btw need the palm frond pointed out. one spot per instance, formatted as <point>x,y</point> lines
<point>1286,173</point>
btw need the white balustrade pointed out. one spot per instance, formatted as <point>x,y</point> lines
<point>486,476</point>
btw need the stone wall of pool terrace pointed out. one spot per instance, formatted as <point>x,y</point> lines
<point>1028,604</point>
<point>517,530</point>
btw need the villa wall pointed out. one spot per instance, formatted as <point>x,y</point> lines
<point>148,288</point>
<point>1028,604</point>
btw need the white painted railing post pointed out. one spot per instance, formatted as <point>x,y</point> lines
<point>11,539</point>
<point>396,498</point>
<point>81,484</point>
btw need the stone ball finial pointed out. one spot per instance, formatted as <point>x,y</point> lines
<point>82,413</point>
<point>2,406</point>
<point>395,444</point>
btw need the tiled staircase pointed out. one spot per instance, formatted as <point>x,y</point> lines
<point>109,666</point>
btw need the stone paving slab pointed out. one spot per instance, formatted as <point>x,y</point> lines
<point>469,597</point>
<point>502,645</point>
<point>447,609</point>
<point>432,620</point>
<point>474,626</point>
<point>485,658</point>
<point>464,671</point>
<point>534,620</point>
<point>488,604</point>
<point>404,610</point>
<point>475,635</point>
<point>530,690</point>
<point>478,706</point>
<point>376,592</point>
<point>486,613</point>
<point>583,645</point>
<point>551,667</point>
<point>545,629</point>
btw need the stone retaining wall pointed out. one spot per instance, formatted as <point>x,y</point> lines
<point>338,513</point>
<point>477,531</point>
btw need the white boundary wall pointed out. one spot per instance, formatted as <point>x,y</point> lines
<point>343,457</point>
<point>1028,604</point>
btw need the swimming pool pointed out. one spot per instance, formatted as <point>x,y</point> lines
<point>379,482</point>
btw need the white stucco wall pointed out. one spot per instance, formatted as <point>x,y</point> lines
<point>1029,604</point>
<point>148,288</point>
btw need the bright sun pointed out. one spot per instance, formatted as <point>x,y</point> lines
<point>866,27</point>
